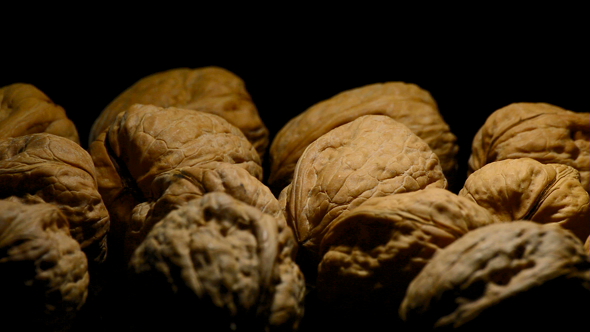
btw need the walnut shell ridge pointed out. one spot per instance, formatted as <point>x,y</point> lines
<point>222,262</point>
<point>208,89</point>
<point>25,110</point>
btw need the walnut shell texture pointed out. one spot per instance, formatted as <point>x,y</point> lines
<point>541,131</point>
<point>521,273</point>
<point>45,168</point>
<point>371,156</point>
<point>43,271</point>
<point>526,189</point>
<point>209,89</point>
<point>404,102</point>
<point>221,262</point>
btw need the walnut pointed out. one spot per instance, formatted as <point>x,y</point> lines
<point>45,168</point>
<point>25,110</point>
<point>208,89</point>
<point>43,271</point>
<point>544,132</point>
<point>371,156</point>
<point>526,189</point>
<point>151,160</point>
<point>406,103</point>
<point>219,262</point>
<point>519,274</point>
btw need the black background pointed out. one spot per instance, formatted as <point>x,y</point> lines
<point>472,60</point>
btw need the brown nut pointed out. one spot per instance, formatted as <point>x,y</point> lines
<point>25,110</point>
<point>221,263</point>
<point>525,189</point>
<point>370,156</point>
<point>519,274</point>
<point>43,272</point>
<point>370,255</point>
<point>544,132</point>
<point>209,89</point>
<point>45,168</point>
<point>406,103</point>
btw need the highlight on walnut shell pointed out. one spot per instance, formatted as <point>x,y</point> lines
<point>45,168</point>
<point>208,89</point>
<point>370,255</point>
<point>221,263</point>
<point>541,131</point>
<point>43,271</point>
<point>525,189</point>
<point>519,274</point>
<point>25,110</point>
<point>403,102</point>
<point>371,156</point>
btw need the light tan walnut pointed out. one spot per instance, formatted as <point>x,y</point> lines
<point>45,168</point>
<point>209,89</point>
<point>221,263</point>
<point>525,189</point>
<point>520,275</point>
<point>404,102</point>
<point>43,271</point>
<point>370,156</point>
<point>544,132</point>
<point>24,110</point>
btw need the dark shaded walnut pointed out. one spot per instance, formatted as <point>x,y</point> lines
<point>221,263</point>
<point>370,156</point>
<point>150,156</point>
<point>43,272</point>
<point>25,110</point>
<point>406,103</point>
<point>544,132</point>
<point>525,189</point>
<point>519,274</point>
<point>370,255</point>
<point>45,168</point>
<point>208,89</point>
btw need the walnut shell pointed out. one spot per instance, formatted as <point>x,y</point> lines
<point>544,132</point>
<point>526,189</point>
<point>370,156</point>
<point>406,103</point>
<point>45,168</point>
<point>24,110</point>
<point>43,271</point>
<point>209,89</point>
<point>519,274</point>
<point>221,263</point>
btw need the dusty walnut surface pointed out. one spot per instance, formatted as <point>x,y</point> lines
<point>43,271</point>
<point>371,156</point>
<point>517,274</point>
<point>24,110</point>
<point>45,168</point>
<point>220,263</point>
<point>209,89</point>
<point>541,131</point>
<point>526,189</point>
<point>404,102</point>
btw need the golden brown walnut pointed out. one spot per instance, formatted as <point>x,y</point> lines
<point>371,156</point>
<point>525,189</point>
<point>370,255</point>
<point>43,272</point>
<point>520,274</point>
<point>221,263</point>
<point>45,168</point>
<point>544,132</point>
<point>404,102</point>
<point>24,110</point>
<point>209,89</point>
<point>151,160</point>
